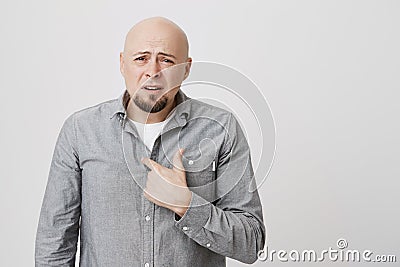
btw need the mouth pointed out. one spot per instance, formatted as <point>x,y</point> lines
<point>153,87</point>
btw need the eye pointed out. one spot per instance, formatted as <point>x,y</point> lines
<point>139,59</point>
<point>166,60</point>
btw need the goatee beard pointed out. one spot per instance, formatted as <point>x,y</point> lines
<point>159,105</point>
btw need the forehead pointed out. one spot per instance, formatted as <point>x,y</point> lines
<point>153,44</point>
<point>155,40</point>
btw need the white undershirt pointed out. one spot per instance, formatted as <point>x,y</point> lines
<point>149,132</point>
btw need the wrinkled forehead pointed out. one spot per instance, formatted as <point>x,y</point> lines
<point>157,39</point>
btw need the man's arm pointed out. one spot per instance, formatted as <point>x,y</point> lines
<point>233,225</point>
<point>58,229</point>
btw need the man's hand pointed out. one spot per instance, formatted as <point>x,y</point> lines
<point>167,187</point>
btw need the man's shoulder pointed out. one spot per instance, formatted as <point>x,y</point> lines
<point>202,109</point>
<point>103,109</point>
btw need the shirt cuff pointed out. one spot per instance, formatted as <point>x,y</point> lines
<point>195,217</point>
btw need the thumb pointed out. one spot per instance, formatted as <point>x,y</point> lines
<point>177,161</point>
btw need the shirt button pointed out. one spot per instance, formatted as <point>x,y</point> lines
<point>208,245</point>
<point>185,228</point>
<point>147,218</point>
<point>146,264</point>
<point>190,162</point>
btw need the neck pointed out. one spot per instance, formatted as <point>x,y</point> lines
<point>136,114</point>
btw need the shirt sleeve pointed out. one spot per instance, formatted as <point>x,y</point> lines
<point>58,228</point>
<point>233,225</point>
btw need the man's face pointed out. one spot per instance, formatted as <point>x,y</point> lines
<point>153,65</point>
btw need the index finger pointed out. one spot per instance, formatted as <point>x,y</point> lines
<point>151,164</point>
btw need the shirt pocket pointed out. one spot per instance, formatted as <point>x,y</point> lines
<point>200,171</point>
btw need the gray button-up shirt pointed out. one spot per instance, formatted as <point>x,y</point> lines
<point>95,186</point>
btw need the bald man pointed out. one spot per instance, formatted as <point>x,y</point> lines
<point>137,178</point>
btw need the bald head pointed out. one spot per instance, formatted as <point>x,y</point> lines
<point>157,32</point>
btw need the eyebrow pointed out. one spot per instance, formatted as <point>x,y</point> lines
<point>147,52</point>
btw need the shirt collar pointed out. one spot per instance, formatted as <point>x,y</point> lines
<point>182,111</point>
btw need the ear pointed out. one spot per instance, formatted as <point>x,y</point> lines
<point>187,67</point>
<point>121,63</point>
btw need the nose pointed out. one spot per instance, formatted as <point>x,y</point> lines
<point>153,69</point>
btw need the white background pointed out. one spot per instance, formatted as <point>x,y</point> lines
<point>330,72</point>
